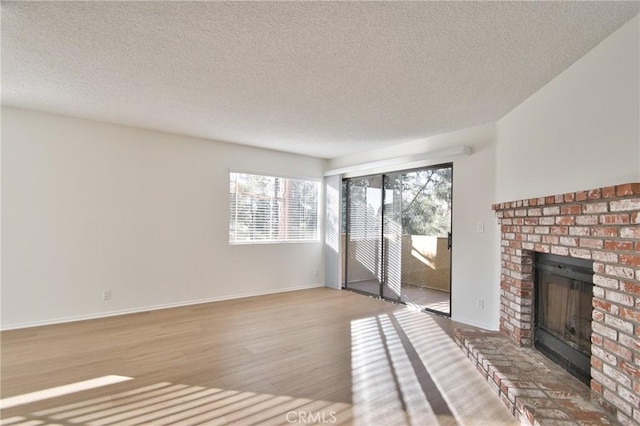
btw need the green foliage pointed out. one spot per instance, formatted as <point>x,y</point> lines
<point>424,202</point>
<point>419,201</point>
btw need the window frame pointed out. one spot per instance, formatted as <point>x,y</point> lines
<point>319,203</point>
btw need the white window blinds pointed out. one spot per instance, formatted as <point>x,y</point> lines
<point>270,209</point>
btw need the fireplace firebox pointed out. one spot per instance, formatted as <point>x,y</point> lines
<point>563,300</point>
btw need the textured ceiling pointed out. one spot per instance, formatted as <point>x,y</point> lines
<point>318,78</point>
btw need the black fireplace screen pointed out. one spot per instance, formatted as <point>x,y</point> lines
<point>564,291</point>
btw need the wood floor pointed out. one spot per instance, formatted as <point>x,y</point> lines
<point>420,297</point>
<point>316,356</point>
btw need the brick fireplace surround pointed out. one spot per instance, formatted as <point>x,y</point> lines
<point>602,225</point>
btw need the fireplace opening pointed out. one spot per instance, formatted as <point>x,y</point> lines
<point>563,303</point>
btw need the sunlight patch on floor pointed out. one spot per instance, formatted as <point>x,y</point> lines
<point>60,390</point>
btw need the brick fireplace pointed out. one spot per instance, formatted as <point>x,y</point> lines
<point>602,225</point>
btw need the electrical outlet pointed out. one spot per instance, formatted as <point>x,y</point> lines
<point>481,304</point>
<point>106,295</point>
<point>480,227</point>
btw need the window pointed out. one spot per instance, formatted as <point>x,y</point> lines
<point>270,209</point>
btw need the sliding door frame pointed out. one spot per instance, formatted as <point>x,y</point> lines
<point>383,253</point>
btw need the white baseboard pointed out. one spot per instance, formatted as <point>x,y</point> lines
<point>151,308</point>
<point>473,323</point>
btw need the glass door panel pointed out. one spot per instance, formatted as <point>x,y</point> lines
<point>425,216</point>
<point>393,253</point>
<point>364,235</point>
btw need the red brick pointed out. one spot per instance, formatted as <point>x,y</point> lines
<point>635,218</point>
<point>618,245</point>
<point>631,370</point>
<point>591,243</point>
<point>570,197</point>
<point>559,230</point>
<point>572,209</point>
<point>596,387</point>
<point>596,339</point>
<point>550,199</point>
<point>565,220</point>
<point>633,260</point>
<point>542,248</point>
<point>602,231</point>
<point>581,196</point>
<point>628,189</point>
<point>596,363</point>
<point>616,349</point>
<point>597,316</point>
<point>601,304</point>
<point>594,194</point>
<point>533,201</point>
<point>609,192</point>
<point>630,314</point>
<point>630,287</point>
<point>550,239</point>
<point>614,219</point>
<point>595,208</point>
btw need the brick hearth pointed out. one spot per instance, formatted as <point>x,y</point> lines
<point>534,389</point>
<point>601,225</point>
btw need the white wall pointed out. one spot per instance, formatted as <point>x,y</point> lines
<point>88,206</point>
<point>475,263</point>
<point>580,131</point>
<point>332,259</point>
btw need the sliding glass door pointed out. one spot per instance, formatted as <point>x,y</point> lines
<point>364,235</point>
<point>399,234</point>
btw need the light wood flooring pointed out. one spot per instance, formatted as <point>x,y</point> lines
<point>305,357</point>
<point>420,297</point>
